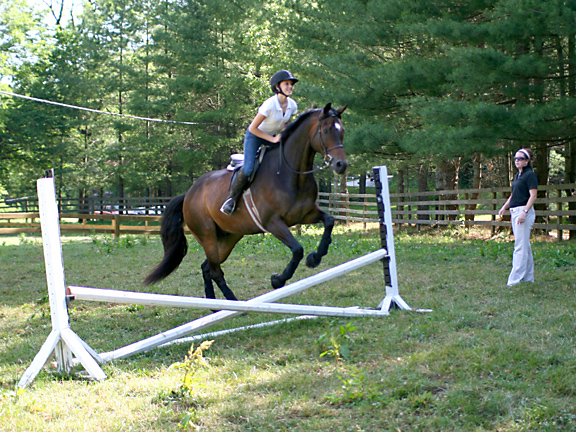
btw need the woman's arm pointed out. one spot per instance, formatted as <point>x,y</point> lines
<point>528,206</point>
<point>253,128</point>
<point>505,206</point>
<point>533,196</point>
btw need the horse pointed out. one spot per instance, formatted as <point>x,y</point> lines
<point>283,193</point>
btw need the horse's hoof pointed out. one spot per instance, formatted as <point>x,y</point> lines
<point>313,260</point>
<point>277,281</point>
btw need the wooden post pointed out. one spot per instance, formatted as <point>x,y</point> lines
<point>493,216</point>
<point>559,218</point>
<point>365,210</point>
<point>116,226</point>
<point>467,217</point>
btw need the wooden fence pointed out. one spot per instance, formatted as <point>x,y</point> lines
<point>129,205</point>
<point>16,223</point>
<point>555,211</point>
<point>555,207</point>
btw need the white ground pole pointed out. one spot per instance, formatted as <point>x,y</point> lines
<point>63,342</point>
<point>387,237</point>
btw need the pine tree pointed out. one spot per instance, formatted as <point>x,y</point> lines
<point>445,79</point>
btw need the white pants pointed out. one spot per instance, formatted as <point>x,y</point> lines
<point>522,261</point>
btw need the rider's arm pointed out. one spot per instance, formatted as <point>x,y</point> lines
<point>253,128</point>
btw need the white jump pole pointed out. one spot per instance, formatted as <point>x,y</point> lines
<point>62,342</point>
<point>148,299</point>
<point>387,239</point>
<point>269,297</point>
<point>391,281</point>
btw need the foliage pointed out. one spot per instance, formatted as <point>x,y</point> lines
<point>336,344</point>
<point>193,361</point>
<point>356,390</point>
<point>109,244</point>
<point>427,83</point>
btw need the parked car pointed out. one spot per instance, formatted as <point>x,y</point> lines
<point>108,209</point>
<point>152,210</point>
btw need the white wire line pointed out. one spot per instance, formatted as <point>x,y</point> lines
<point>100,112</point>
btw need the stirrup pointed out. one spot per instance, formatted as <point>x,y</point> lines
<point>228,207</point>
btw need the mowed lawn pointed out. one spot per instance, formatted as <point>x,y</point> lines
<point>487,358</point>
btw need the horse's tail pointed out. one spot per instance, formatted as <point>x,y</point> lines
<point>173,239</point>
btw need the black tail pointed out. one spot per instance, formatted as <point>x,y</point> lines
<point>174,240</point>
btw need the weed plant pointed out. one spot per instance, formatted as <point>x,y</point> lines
<point>488,358</point>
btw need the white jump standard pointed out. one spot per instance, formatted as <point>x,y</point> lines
<point>64,344</point>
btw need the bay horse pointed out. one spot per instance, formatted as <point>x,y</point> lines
<point>284,194</point>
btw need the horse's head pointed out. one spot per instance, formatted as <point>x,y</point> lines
<point>328,136</point>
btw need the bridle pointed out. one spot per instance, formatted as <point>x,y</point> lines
<point>325,151</point>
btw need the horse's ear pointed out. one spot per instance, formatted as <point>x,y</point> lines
<point>327,109</point>
<point>341,110</point>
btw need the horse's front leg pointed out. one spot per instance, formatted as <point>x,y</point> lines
<point>314,258</point>
<point>281,231</point>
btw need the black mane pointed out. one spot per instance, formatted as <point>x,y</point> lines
<point>291,127</point>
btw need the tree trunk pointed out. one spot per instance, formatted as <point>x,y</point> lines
<point>169,180</point>
<point>120,195</point>
<point>542,153</point>
<point>401,190</point>
<point>542,168</point>
<point>570,148</point>
<point>476,184</point>
<point>423,210</point>
<point>447,180</point>
<point>344,190</point>
<point>362,184</point>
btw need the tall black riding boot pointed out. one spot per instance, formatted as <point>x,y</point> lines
<point>236,190</point>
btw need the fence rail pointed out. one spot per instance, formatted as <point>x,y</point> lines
<point>555,211</point>
<point>128,205</point>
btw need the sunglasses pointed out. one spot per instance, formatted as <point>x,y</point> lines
<point>520,158</point>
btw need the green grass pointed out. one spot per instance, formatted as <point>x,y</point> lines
<point>488,358</point>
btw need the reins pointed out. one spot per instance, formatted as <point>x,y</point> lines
<point>327,157</point>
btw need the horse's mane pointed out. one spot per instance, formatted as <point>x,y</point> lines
<point>291,127</point>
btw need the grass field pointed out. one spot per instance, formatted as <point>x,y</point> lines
<point>488,358</point>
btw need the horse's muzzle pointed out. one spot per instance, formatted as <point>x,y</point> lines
<point>339,166</point>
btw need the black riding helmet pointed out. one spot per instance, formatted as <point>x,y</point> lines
<point>280,76</point>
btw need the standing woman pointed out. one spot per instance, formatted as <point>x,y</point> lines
<point>273,115</point>
<point>521,205</point>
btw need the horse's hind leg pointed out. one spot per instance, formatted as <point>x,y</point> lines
<point>208,285</point>
<point>314,258</point>
<point>213,272</point>
<point>217,251</point>
<point>221,282</point>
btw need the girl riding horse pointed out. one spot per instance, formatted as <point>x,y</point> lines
<point>284,194</point>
